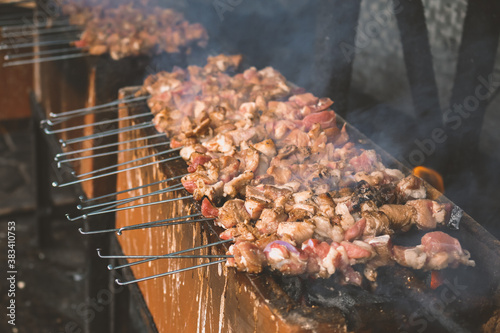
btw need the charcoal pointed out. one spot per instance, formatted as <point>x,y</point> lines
<point>331,294</point>
<point>293,286</point>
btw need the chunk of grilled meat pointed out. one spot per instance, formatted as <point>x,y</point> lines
<point>436,251</point>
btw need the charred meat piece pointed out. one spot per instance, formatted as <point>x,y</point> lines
<point>377,223</point>
<point>254,208</point>
<point>326,205</point>
<point>428,213</point>
<point>437,251</point>
<point>249,160</point>
<point>270,220</point>
<point>356,231</point>
<point>425,214</point>
<point>400,217</point>
<point>248,257</point>
<point>295,232</point>
<point>363,192</point>
<point>240,232</point>
<point>212,192</point>
<point>284,257</point>
<point>411,188</point>
<point>322,258</point>
<point>208,210</point>
<point>266,147</point>
<point>237,185</point>
<point>132,30</point>
<point>232,213</point>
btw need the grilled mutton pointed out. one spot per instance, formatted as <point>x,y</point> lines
<point>436,251</point>
<point>273,168</point>
<point>133,29</point>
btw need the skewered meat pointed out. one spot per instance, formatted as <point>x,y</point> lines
<point>295,232</point>
<point>286,183</point>
<point>232,213</point>
<point>356,230</point>
<point>237,185</point>
<point>383,248</point>
<point>270,220</point>
<point>212,192</point>
<point>266,147</point>
<point>428,213</point>
<point>255,208</point>
<point>425,214</point>
<point>437,251</point>
<point>411,188</point>
<point>134,29</point>
<point>247,257</point>
<point>240,232</point>
<point>284,257</point>
<point>208,210</point>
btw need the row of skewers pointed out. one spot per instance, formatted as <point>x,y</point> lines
<point>273,169</point>
<point>80,29</point>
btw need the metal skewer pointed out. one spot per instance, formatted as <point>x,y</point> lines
<point>167,257</point>
<point>106,210</point>
<point>83,200</point>
<point>166,222</point>
<point>111,267</point>
<point>107,206</point>
<point>143,125</point>
<point>99,212</point>
<point>108,153</point>
<point>39,60</point>
<point>60,120</point>
<point>36,25</point>
<point>109,145</point>
<point>90,109</point>
<point>56,184</point>
<point>123,283</point>
<point>117,203</point>
<point>160,223</point>
<point>34,54</point>
<point>37,31</point>
<point>4,46</point>
<point>102,122</point>
<point>128,162</point>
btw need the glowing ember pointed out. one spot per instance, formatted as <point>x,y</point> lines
<point>431,176</point>
<point>436,279</point>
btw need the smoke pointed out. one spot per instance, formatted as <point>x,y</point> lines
<point>268,33</point>
<point>356,58</point>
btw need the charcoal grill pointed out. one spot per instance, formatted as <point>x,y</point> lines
<point>220,298</point>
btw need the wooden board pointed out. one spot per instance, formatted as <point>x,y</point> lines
<point>15,84</point>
